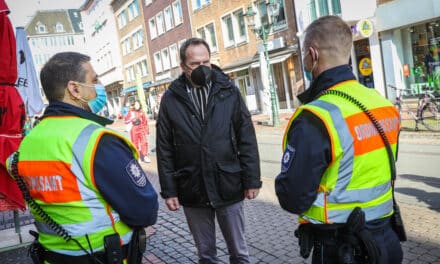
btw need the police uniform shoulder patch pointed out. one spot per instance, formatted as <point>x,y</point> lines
<point>137,175</point>
<point>288,156</point>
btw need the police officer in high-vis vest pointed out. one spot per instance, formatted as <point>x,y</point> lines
<point>91,197</point>
<point>335,165</point>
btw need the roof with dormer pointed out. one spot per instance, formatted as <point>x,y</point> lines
<point>70,19</point>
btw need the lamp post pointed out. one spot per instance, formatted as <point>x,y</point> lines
<point>273,7</point>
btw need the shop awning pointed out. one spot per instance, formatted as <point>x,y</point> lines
<point>145,85</point>
<point>253,62</point>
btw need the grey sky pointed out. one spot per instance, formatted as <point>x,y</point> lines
<point>23,10</point>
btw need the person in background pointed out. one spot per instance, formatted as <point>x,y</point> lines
<point>207,153</point>
<point>27,126</point>
<point>85,177</point>
<point>330,174</point>
<point>139,130</point>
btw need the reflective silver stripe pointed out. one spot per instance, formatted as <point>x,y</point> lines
<point>44,228</point>
<point>99,220</point>
<point>320,199</point>
<point>346,164</point>
<point>311,220</point>
<point>340,194</point>
<point>371,213</point>
<point>362,195</point>
<point>78,252</point>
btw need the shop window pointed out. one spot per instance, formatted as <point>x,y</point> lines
<point>425,71</point>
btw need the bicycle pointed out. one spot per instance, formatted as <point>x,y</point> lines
<point>426,113</point>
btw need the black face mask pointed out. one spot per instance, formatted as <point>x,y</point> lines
<point>201,75</point>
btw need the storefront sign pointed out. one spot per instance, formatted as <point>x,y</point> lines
<point>365,27</point>
<point>365,67</point>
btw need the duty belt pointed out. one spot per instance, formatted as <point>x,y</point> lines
<point>58,258</point>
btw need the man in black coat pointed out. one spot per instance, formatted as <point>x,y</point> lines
<point>207,153</point>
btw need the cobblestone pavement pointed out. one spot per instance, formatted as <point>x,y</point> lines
<point>269,233</point>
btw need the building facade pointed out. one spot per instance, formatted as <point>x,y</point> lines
<point>168,26</point>
<point>102,45</point>
<point>366,59</point>
<point>239,52</point>
<point>410,44</point>
<point>53,31</point>
<point>136,61</point>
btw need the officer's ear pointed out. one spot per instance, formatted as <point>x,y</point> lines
<point>74,90</point>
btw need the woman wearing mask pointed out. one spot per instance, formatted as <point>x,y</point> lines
<point>139,130</point>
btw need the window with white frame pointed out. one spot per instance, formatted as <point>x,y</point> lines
<point>210,37</point>
<point>59,27</point>
<point>122,19</point>
<point>133,10</point>
<point>41,28</point>
<point>239,26</point>
<point>138,39</point>
<point>168,18</point>
<point>181,43</point>
<point>153,29</point>
<point>165,59</point>
<point>197,4</point>
<point>126,46</point>
<point>174,56</point>
<point>144,67</point>
<point>141,68</point>
<point>228,31</point>
<point>177,11</point>
<point>147,2</point>
<point>157,62</point>
<point>324,7</point>
<point>201,33</point>
<point>130,74</point>
<point>262,12</point>
<point>208,34</point>
<point>159,23</point>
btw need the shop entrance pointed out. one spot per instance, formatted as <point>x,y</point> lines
<point>363,59</point>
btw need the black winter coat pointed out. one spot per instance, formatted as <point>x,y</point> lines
<point>211,161</point>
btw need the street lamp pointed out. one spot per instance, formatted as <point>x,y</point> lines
<point>273,9</point>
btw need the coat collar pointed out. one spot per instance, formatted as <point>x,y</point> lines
<point>326,80</point>
<point>58,108</point>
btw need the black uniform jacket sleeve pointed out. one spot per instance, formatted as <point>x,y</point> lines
<point>297,186</point>
<point>114,169</point>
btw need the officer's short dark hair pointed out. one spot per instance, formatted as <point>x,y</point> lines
<point>192,42</point>
<point>59,70</point>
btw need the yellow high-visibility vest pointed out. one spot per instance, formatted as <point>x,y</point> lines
<point>359,174</point>
<point>56,162</point>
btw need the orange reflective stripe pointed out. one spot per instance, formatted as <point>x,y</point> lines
<point>365,135</point>
<point>50,181</point>
<point>286,132</point>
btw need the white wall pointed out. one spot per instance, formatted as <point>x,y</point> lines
<point>400,13</point>
<point>357,9</point>
<point>103,41</point>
